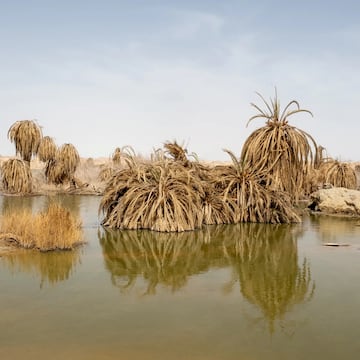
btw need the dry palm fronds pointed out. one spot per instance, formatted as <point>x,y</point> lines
<point>283,149</point>
<point>105,173</point>
<point>176,151</point>
<point>160,258</point>
<point>116,156</point>
<point>16,176</point>
<point>53,229</point>
<point>47,149</point>
<point>26,134</point>
<point>338,174</point>
<point>62,167</point>
<point>161,197</point>
<point>265,261</point>
<point>69,157</point>
<point>246,196</point>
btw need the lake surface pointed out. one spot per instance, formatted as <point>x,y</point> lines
<point>245,291</point>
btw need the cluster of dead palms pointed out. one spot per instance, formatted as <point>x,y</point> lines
<point>61,163</point>
<point>173,193</point>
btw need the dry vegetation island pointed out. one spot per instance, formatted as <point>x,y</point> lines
<point>171,191</point>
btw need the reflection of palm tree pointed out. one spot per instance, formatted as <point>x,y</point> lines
<point>50,266</point>
<point>265,261</point>
<point>161,258</point>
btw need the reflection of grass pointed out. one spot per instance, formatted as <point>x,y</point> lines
<point>161,258</point>
<point>51,266</point>
<point>266,263</point>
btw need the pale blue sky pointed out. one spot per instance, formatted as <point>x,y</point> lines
<point>103,74</point>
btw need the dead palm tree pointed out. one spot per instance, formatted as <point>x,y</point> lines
<point>62,167</point>
<point>160,196</point>
<point>287,150</point>
<point>26,134</point>
<point>16,176</point>
<point>246,197</point>
<point>47,149</point>
<point>338,174</point>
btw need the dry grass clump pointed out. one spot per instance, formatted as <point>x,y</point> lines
<point>26,134</point>
<point>284,150</point>
<point>53,229</point>
<point>16,176</point>
<point>338,174</point>
<point>47,149</point>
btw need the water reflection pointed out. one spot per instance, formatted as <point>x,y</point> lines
<point>16,203</point>
<point>332,229</point>
<point>265,262</point>
<point>160,258</point>
<point>50,267</point>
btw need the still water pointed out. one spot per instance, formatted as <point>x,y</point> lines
<point>245,291</point>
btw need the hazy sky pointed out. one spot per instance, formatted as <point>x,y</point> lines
<point>104,74</point>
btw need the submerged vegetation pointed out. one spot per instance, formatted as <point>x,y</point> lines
<point>53,229</point>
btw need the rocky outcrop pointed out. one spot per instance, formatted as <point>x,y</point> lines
<point>336,201</point>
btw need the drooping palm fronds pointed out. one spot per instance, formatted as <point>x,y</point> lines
<point>26,134</point>
<point>16,176</point>
<point>338,174</point>
<point>285,149</point>
<point>69,157</point>
<point>62,167</point>
<point>265,262</point>
<point>246,197</point>
<point>161,197</point>
<point>116,156</point>
<point>47,149</point>
<point>176,151</point>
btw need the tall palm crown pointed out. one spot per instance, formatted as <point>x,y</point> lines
<point>285,150</point>
<point>26,134</point>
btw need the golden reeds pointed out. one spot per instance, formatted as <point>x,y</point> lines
<point>16,176</point>
<point>53,229</point>
<point>285,151</point>
<point>26,134</point>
